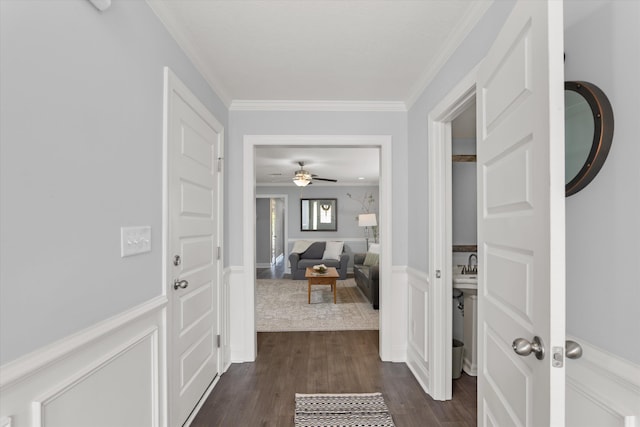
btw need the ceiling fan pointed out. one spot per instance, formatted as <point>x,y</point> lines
<point>302,178</point>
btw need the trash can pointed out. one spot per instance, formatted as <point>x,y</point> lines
<point>457,352</point>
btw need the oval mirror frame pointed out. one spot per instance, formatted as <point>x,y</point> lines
<point>602,114</point>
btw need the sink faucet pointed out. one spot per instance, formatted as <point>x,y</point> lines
<point>472,269</point>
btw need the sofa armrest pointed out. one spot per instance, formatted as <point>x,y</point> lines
<point>344,262</point>
<point>374,271</point>
<point>358,259</point>
<point>294,257</point>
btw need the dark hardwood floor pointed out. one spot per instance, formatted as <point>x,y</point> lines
<point>262,393</point>
<point>276,271</point>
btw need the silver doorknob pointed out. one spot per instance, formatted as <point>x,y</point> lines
<point>180,284</point>
<point>573,350</point>
<point>523,347</point>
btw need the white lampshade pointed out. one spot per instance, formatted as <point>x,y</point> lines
<point>301,182</point>
<point>367,220</point>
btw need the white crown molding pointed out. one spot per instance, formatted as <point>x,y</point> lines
<point>166,18</point>
<point>266,105</point>
<point>461,31</point>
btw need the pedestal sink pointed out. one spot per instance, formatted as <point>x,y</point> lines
<point>465,281</point>
<point>468,284</point>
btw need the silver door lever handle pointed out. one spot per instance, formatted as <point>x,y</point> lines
<point>180,284</point>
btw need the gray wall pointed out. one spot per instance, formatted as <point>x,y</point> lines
<point>602,46</point>
<point>263,231</point>
<point>464,221</point>
<point>81,156</point>
<point>348,209</point>
<point>243,123</point>
<point>470,52</point>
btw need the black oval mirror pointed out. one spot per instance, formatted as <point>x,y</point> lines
<point>588,133</point>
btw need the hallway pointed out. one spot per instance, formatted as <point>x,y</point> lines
<point>262,393</point>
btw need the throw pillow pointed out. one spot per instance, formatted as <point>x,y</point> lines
<point>300,246</point>
<point>315,251</point>
<point>374,248</point>
<point>333,250</point>
<point>371,259</point>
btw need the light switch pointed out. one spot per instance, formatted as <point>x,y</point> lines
<point>135,240</point>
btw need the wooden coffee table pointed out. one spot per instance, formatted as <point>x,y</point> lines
<point>327,278</point>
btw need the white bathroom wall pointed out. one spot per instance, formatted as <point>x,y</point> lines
<point>463,195</point>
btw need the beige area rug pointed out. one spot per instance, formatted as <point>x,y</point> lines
<point>281,305</point>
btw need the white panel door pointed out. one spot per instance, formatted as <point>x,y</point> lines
<point>194,138</point>
<point>521,218</point>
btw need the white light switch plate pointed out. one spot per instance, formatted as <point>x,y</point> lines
<point>135,240</point>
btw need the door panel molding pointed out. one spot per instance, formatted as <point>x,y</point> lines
<point>192,228</point>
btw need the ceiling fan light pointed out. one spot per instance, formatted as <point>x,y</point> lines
<point>301,182</point>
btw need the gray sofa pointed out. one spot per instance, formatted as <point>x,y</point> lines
<point>367,279</point>
<point>313,256</point>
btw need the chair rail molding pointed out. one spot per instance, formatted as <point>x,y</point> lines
<point>117,363</point>
<point>602,389</point>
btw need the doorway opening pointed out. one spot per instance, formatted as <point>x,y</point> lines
<point>464,247</point>
<point>441,244</point>
<point>271,235</point>
<point>383,143</point>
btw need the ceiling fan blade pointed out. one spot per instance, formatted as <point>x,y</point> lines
<point>325,179</point>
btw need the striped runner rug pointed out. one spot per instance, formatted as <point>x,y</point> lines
<point>342,410</point>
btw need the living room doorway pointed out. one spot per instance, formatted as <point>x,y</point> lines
<point>383,144</point>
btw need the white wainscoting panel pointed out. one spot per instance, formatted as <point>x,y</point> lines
<point>111,374</point>
<point>418,326</point>
<point>602,390</point>
<point>396,295</point>
<point>101,394</point>
<point>240,321</point>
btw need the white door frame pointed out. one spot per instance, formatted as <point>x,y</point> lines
<point>171,84</point>
<point>383,142</point>
<point>440,237</point>
<point>286,218</point>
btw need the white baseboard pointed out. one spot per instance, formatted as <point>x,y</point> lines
<point>201,402</point>
<point>602,390</point>
<point>263,265</point>
<point>469,368</point>
<point>113,371</point>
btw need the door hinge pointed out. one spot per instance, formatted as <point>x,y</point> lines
<point>218,253</point>
<point>219,164</point>
<point>218,340</point>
